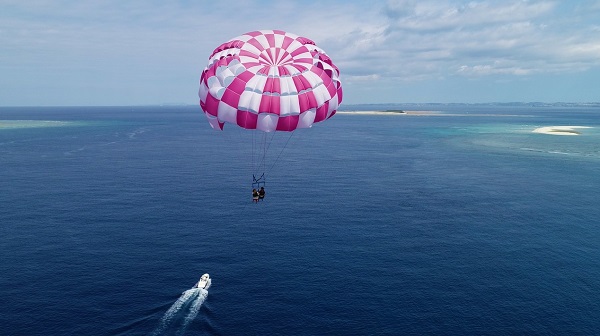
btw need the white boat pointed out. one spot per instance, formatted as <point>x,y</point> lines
<point>204,282</point>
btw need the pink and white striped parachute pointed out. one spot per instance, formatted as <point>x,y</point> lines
<point>269,80</point>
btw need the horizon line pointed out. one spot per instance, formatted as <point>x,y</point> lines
<point>342,105</point>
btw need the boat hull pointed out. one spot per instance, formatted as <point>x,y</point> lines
<point>204,282</point>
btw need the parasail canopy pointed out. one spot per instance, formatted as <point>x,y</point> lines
<point>269,80</point>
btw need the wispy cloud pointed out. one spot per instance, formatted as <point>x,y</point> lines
<point>482,38</point>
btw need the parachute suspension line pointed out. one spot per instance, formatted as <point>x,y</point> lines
<point>260,164</point>
<point>281,152</point>
<point>265,147</point>
<point>264,152</point>
<point>255,162</point>
<point>258,172</point>
<point>270,142</point>
<point>260,152</point>
<point>253,149</point>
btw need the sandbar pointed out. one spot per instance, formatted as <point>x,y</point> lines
<point>559,130</point>
<point>12,124</point>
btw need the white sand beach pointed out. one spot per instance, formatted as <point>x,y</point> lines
<point>559,130</point>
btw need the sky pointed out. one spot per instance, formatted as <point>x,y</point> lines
<point>146,52</point>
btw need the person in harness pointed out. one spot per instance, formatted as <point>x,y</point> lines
<point>255,196</point>
<point>258,187</point>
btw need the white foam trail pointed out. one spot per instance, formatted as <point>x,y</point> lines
<point>135,132</point>
<point>194,309</point>
<point>165,321</point>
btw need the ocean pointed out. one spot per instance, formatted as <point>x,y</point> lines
<point>459,222</point>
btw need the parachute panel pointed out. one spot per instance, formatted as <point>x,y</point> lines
<point>307,118</point>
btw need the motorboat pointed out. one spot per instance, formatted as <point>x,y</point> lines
<point>204,282</point>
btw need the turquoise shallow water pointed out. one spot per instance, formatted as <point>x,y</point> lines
<point>371,225</point>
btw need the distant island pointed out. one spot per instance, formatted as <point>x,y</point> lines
<point>391,112</point>
<point>435,106</point>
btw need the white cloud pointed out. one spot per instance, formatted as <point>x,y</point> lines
<point>394,41</point>
<point>428,39</point>
<point>495,68</point>
<point>363,78</point>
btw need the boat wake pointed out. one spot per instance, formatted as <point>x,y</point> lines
<point>194,308</point>
<point>182,312</point>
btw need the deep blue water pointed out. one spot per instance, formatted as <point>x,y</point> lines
<point>372,225</point>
